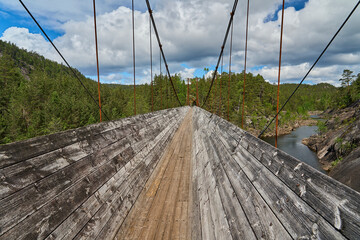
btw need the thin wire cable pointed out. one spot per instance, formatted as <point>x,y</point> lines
<point>220,97</point>
<point>62,57</point>
<point>222,49</point>
<point>133,38</point>
<point>97,59</point>
<point>322,53</point>
<point>213,106</point>
<point>278,87</point>
<point>222,63</point>
<point>162,51</point>
<point>151,70</point>
<point>188,93</point>
<point>161,94</point>
<point>246,39</point>
<point>231,40</point>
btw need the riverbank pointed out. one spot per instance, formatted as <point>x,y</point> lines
<point>337,145</point>
<point>287,128</point>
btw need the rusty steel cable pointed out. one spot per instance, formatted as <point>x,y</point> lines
<point>246,39</point>
<point>151,70</point>
<point>97,59</point>
<point>278,87</point>
<point>63,58</point>
<point>228,100</point>
<point>161,49</point>
<point>188,93</point>
<point>311,68</point>
<point>161,94</point>
<point>222,49</point>
<point>133,43</point>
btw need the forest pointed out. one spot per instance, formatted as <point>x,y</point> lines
<point>39,96</point>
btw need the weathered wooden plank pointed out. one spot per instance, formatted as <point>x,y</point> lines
<point>298,218</point>
<point>18,176</point>
<point>117,192</point>
<point>110,229</point>
<point>263,221</point>
<point>150,161</point>
<point>261,218</point>
<point>239,226</point>
<point>23,150</point>
<point>196,221</point>
<point>337,203</point>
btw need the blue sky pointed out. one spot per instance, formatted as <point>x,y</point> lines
<point>191,32</point>
<point>297,4</point>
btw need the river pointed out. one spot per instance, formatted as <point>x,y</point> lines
<point>291,144</point>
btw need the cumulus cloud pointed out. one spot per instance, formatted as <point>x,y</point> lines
<point>187,73</point>
<point>191,32</point>
<point>32,42</point>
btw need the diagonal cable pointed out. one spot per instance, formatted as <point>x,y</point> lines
<point>222,49</point>
<point>57,50</point>
<point>162,51</point>
<point>322,53</point>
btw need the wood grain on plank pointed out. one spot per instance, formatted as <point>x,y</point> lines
<point>158,212</point>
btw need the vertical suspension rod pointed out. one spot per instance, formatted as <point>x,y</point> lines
<point>133,33</point>
<point>151,70</point>
<point>246,39</point>
<point>231,38</point>
<point>97,60</point>
<point>197,93</point>
<point>161,94</point>
<point>278,88</point>
<point>188,93</point>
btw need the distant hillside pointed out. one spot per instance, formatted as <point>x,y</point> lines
<point>39,96</point>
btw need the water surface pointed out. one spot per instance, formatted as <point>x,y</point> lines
<point>291,144</point>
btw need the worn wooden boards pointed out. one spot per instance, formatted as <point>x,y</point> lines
<point>144,177</point>
<point>80,183</point>
<point>162,209</point>
<point>246,189</point>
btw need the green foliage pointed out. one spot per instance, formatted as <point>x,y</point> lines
<point>322,128</point>
<point>336,162</point>
<point>39,96</point>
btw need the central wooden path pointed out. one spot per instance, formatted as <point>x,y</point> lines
<point>162,209</point>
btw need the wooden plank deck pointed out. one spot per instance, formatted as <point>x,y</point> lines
<point>162,209</point>
<point>180,173</point>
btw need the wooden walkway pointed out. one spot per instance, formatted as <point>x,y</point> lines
<point>180,173</point>
<point>162,210</point>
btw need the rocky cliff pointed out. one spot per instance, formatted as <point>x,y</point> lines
<point>337,145</point>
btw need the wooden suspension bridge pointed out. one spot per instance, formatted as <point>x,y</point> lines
<point>179,173</point>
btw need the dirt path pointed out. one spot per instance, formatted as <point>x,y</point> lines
<point>162,209</point>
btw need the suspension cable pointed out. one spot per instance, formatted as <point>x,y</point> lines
<point>133,42</point>
<point>62,57</point>
<point>278,87</point>
<point>246,39</point>
<point>151,70</point>
<point>322,53</point>
<point>161,93</point>
<point>97,59</point>
<point>161,49</point>
<point>222,49</point>
<point>231,40</point>
<point>213,106</point>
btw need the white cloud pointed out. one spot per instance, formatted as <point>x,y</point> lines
<point>187,73</point>
<point>33,42</point>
